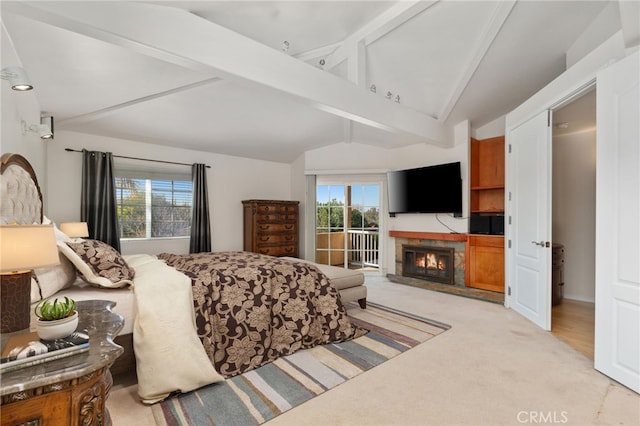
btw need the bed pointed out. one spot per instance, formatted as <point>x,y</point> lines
<point>224,312</point>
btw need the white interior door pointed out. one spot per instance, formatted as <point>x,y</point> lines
<point>617,332</point>
<point>529,220</point>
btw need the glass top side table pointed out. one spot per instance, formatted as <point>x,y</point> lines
<point>69,390</point>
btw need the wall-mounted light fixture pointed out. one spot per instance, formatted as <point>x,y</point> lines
<point>43,130</point>
<point>47,120</point>
<point>17,78</point>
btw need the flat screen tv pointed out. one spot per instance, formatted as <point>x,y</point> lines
<point>431,189</point>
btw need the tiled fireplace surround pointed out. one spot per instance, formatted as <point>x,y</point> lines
<point>434,239</point>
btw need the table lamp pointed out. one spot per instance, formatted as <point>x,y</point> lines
<point>75,229</point>
<point>22,248</point>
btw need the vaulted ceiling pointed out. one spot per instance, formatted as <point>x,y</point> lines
<point>270,80</point>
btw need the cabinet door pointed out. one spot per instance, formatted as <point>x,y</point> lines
<point>491,162</point>
<point>486,268</point>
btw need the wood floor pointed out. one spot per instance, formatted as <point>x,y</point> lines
<point>573,321</point>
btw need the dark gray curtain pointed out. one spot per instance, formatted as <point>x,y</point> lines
<point>200,229</point>
<point>98,197</point>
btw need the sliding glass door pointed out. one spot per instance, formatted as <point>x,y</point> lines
<point>348,225</point>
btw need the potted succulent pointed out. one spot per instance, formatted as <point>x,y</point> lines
<point>56,319</point>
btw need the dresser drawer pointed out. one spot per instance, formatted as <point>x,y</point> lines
<point>276,238</point>
<point>282,250</point>
<point>276,208</point>
<point>276,217</point>
<point>265,228</point>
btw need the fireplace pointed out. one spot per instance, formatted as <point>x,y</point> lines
<point>429,263</point>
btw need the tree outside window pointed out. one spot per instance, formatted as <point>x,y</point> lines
<point>154,208</point>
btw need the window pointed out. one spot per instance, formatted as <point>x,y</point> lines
<point>347,222</point>
<point>153,207</point>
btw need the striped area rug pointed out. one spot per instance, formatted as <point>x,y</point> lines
<point>259,395</point>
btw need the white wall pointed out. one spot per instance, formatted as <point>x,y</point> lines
<point>356,158</point>
<point>299,192</point>
<point>493,129</point>
<point>18,106</point>
<point>568,83</point>
<point>574,210</point>
<point>600,29</point>
<point>230,180</point>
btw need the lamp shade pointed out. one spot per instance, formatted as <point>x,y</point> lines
<point>25,247</point>
<point>75,229</point>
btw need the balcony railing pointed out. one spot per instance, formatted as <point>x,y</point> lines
<point>364,247</point>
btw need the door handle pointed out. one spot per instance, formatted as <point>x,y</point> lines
<point>541,243</point>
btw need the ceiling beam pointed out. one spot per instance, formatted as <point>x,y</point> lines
<point>323,51</point>
<point>357,65</point>
<point>182,38</point>
<point>490,32</point>
<point>629,12</point>
<point>383,24</point>
<point>104,112</point>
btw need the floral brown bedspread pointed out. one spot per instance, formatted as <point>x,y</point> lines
<point>251,308</point>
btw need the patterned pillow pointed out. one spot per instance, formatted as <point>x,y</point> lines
<point>99,263</point>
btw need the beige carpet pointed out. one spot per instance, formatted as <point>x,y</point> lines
<point>493,368</point>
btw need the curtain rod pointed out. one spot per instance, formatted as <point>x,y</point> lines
<point>142,159</point>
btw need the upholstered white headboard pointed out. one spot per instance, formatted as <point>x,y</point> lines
<point>20,196</point>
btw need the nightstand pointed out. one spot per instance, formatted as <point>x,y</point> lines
<point>71,390</point>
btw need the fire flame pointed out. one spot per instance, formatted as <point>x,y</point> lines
<point>430,261</point>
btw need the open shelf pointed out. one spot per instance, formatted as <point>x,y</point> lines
<point>485,188</point>
<point>487,176</point>
<point>487,211</point>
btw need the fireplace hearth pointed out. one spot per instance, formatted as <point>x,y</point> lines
<point>429,263</point>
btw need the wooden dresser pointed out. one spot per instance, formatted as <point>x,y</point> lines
<point>271,227</point>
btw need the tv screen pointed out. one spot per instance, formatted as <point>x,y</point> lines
<point>432,189</point>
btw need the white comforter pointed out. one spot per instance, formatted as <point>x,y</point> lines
<point>169,354</point>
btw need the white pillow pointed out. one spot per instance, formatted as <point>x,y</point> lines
<point>60,236</point>
<point>45,282</point>
<point>35,290</point>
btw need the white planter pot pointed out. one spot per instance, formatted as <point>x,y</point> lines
<point>57,329</point>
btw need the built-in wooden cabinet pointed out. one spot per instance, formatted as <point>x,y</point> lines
<point>485,253</point>
<point>271,227</point>
<point>485,262</point>
<point>487,176</point>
